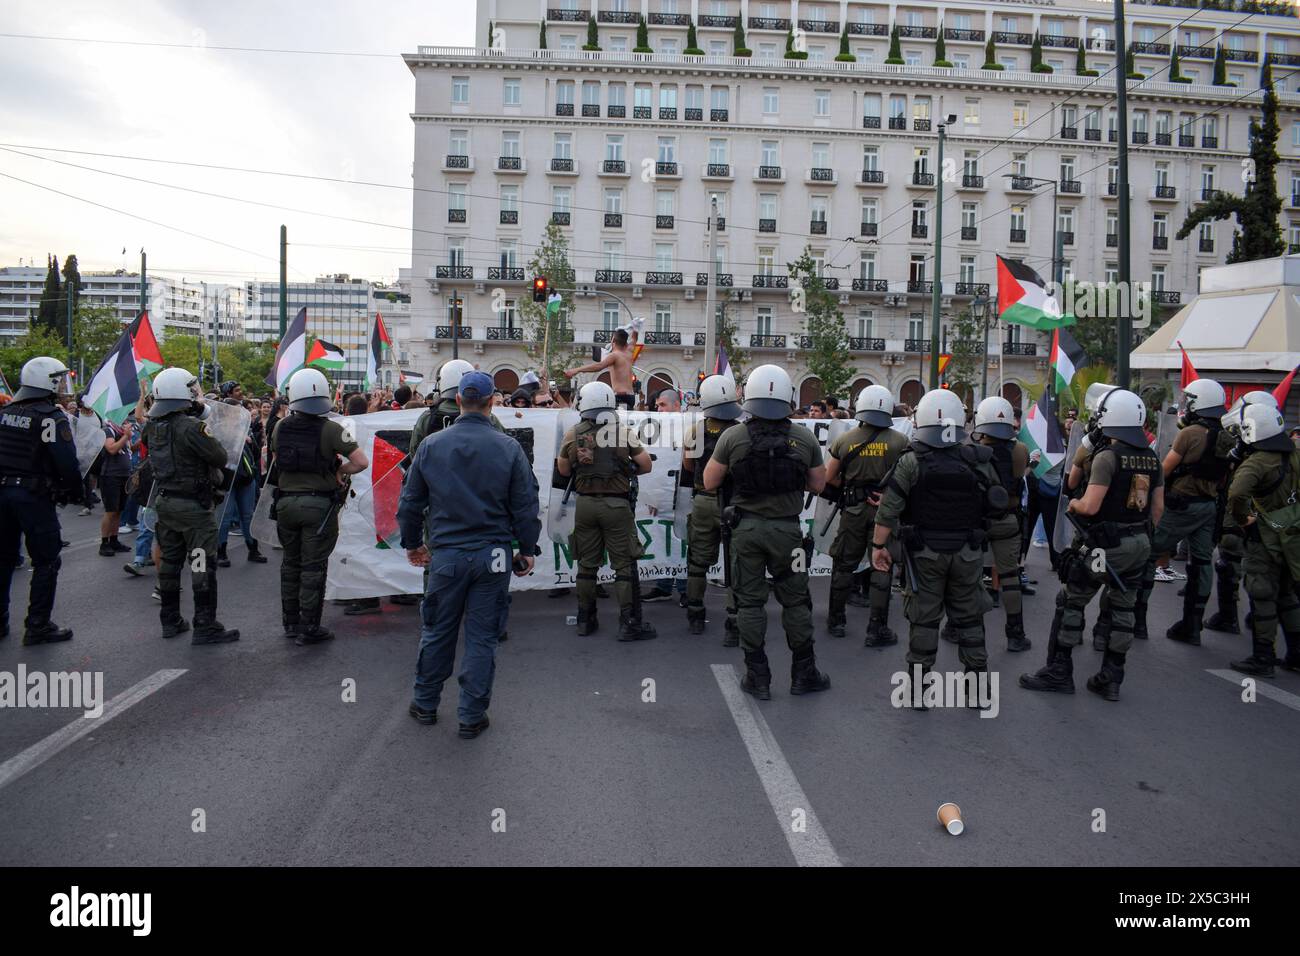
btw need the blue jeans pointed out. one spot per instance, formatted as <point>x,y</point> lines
<point>144,537</point>
<point>461,583</point>
<point>131,511</point>
<point>238,506</point>
<point>668,585</point>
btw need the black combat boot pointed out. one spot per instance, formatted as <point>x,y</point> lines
<point>1291,662</point>
<point>1181,632</point>
<point>1140,616</point>
<point>1188,630</point>
<point>695,619</point>
<point>878,632</point>
<point>1224,620</point>
<point>290,625</point>
<point>207,629</point>
<point>313,634</point>
<point>805,678</point>
<point>1260,663</point>
<point>730,632</point>
<point>1016,640</point>
<point>1105,683</point>
<point>255,553</point>
<point>1058,675</point>
<point>634,629</point>
<point>223,561</point>
<point>587,622</point>
<point>45,632</point>
<point>758,676</point>
<point>170,615</point>
<point>836,621</point>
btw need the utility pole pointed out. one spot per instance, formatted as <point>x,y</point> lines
<point>455,325</point>
<point>710,295</point>
<point>284,279</point>
<point>68,291</point>
<point>144,284</point>
<point>1124,331</point>
<point>937,285</point>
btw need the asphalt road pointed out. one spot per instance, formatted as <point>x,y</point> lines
<point>578,768</point>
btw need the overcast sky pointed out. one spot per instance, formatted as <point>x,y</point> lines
<point>345,117</point>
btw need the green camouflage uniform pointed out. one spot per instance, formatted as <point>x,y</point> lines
<point>704,528</point>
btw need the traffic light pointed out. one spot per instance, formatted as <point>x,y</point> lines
<point>541,286</point>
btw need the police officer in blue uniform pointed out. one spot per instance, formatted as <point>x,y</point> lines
<point>38,468</point>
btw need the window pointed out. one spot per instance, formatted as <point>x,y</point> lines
<point>591,94</point>
<point>641,94</point>
<point>916,326</point>
<point>613,200</point>
<point>609,316</point>
<point>1164,122</point>
<point>766,259</point>
<point>1207,237</point>
<point>921,108</point>
<point>1295,135</point>
<point>1010,61</point>
<point>613,256</point>
<point>915,18</point>
<point>767,51</point>
<point>767,205</point>
<point>509,254</point>
<point>821,102</point>
<point>719,98</point>
<point>456,195</point>
<point>916,269</point>
<point>668,97</point>
<point>663,316</point>
<point>912,57</point>
<point>1092,120</point>
<point>667,149</point>
<point>1157,278</point>
<point>1067,169</point>
<point>1112,273</point>
<point>562,198</point>
<point>1159,225</point>
<point>870,210</point>
<point>509,198</point>
<point>1210,126</point>
<point>1019,164</point>
<point>897,106</point>
<point>867,265</point>
<point>818,208</point>
<point>1019,113</point>
<point>1207,180</point>
<point>694,97</point>
<point>818,259</point>
<point>618,44</point>
<point>769,153</point>
<point>920,212</point>
<point>961,60</point>
<point>763,320</point>
<point>970,164</point>
<point>771,100</point>
<point>665,202</point>
<point>618,94</point>
<point>509,314</point>
<point>871,107</point>
<point>568,43</point>
<point>564,92</point>
<point>1140,121</point>
<point>718,152</point>
<point>614,146</point>
<point>669,45</point>
<point>460,90</point>
<point>972,111</point>
<point>821,155</point>
<point>870,157</point>
<point>969,215</point>
<point>718,48</point>
<point>1018,218</point>
<point>1065,221</point>
<point>961,21</point>
<point>510,144</point>
<point>1069,116</point>
<point>1112,222</point>
<point>509,92</point>
<point>966,273</point>
<point>458,142</point>
<point>920,159</point>
<point>663,257</point>
<point>866,323</point>
<point>563,146</point>
<point>1162,174</point>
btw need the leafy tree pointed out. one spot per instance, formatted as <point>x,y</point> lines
<point>692,41</point>
<point>72,283</point>
<point>642,37</point>
<point>967,347</point>
<point>941,49</point>
<point>1221,67</point>
<point>991,57</point>
<point>895,47</point>
<point>825,326</point>
<point>244,362</point>
<point>738,40</point>
<point>593,35</point>
<point>37,341</point>
<point>51,314</point>
<point>548,339</point>
<point>1257,211</point>
<point>729,338</point>
<point>95,331</point>
<point>845,56</point>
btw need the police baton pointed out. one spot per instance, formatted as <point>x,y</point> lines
<point>1085,554</point>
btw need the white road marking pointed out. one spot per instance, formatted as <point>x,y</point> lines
<point>1265,689</point>
<point>43,750</point>
<point>812,847</point>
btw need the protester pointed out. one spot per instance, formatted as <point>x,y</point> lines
<point>240,501</point>
<point>114,469</point>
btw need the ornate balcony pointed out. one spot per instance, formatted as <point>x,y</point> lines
<point>670,19</point>
<point>870,285</point>
<point>454,272</point>
<point>721,22</point>
<point>614,276</point>
<point>663,278</point>
<point>455,215</point>
<point>898,122</point>
<point>613,220</point>
<point>1164,192</point>
<point>1164,139</point>
<point>1017,235</point>
<point>694,114</point>
<point>1071,186</point>
<point>1112,240</point>
<point>666,169</point>
<point>499,333</point>
<point>1185,140</point>
<point>820,26</point>
<point>566,16</point>
<point>614,166</point>
<point>921,125</point>
<point>1092,135</point>
<point>616,16</point>
<point>510,163</point>
<point>970,233</point>
<point>871,122</point>
<point>563,109</point>
<point>970,36</point>
<point>817,227</point>
<point>873,177</point>
<point>831,283</point>
<point>1157,49</point>
<point>1159,242</point>
<point>718,170</point>
<point>719,116</point>
<point>722,280</point>
<point>769,23</point>
<point>918,33</point>
<point>916,345</point>
<point>1069,132</point>
<point>505,274</point>
<point>663,338</point>
<point>868,29</point>
<point>455,161</point>
<point>767,225</point>
<point>919,231</point>
<point>971,288</point>
<point>1209,142</point>
<point>866,345</point>
<point>591,110</point>
<point>509,217</point>
<point>561,165</point>
<point>972,182</point>
<point>664,222</point>
<point>1020,348</point>
<point>1058,41</point>
<point>616,111</point>
<point>919,287</point>
<point>1140,137</point>
<point>1208,193</point>
<point>1167,298</point>
<point>868,228</point>
<point>1067,238</point>
<point>1018,39</point>
<point>763,281</point>
<point>769,172</point>
<point>642,112</point>
<point>444,332</point>
<point>1023,184</point>
<point>1206,245</point>
<point>821,174</point>
<point>922,179</point>
<point>767,341</point>
<point>1196,52</point>
<point>668,112</point>
<point>560,218</point>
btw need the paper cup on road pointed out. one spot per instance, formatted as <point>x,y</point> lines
<point>950,818</point>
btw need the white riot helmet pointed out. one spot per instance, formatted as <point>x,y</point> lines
<point>940,416</point>
<point>1203,398</point>
<point>40,378</point>
<point>995,418</point>
<point>595,399</point>
<point>309,392</point>
<point>174,390</point>
<point>1262,429</point>
<point>449,377</point>
<point>1232,421</point>
<point>769,393</point>
<point>1120,415</point>
<point>718,398</point>
<point>875,406</point>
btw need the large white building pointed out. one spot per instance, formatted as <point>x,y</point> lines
<point>224,308</point>
<point>339,310</point>
<point>623,149</point>
<point>175,306</point>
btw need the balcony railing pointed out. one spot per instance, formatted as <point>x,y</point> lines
<point>1159,49</point>
<point>668,112</point>
<point>916,345</point>
<point>1161,297</point>
<point>1059,41</point>
<point>719,116</point>
<point>1163,139</point>
<point>820,26</point>
<point>663,278</point>
<point>1023,183</point>
<point>663,338</point>
<point>505,274</point>
<point>1206,245</point>
<point>456,161</point>
<point>1071,186</point>
<point>454,272</point>
<point>1019,39</point>
<point>921,287</point>
<point>971,288</point>
<point>969,233</point>
<point>561,218</point>
<point>1166,192</point>
<point>591,110</point>
<point>1140,137</point>
<point>866,345</point>
<point>455,215</point>
<point>616,111</point>
<point>1069,132</point>
<point>817,227</point>
<point>870,285</point>
<point>666,169</point>
<point>1067,238</point>
<point>560,165</point>
<point>563,109</point>
<point>1112,240</point>
<point>1017,235</point>
<point>670,19</point>
<point>765,281</point>
<point>767,225</point>
<point>831,283</point>
<point>722,280</point>
<point>1209,142</point>
<point>921,125</point>
<point>873,176</point>
<point>566,16</point>
<point>614,166</point>
<point>869,29</point>
<point>969,181</point>
<point>1208,193</point>
<point>821,174</point>
<point>722,170</point>
<point>918,33</point>
<point>616,16</point>
<point>972,36</point>
<point>772,23</point>
<point>614,276</point>
<point>664,222</point>
<point>1197,52</point>
<point>1185,140</point>
<point>723,22</point>
<point>1159,242</point>
<point>767,341</point>
<point>1112,135</point>
<point>898,122</point>
<point>1284,59</point>
<point>613,220</point>
<point>871,122</point>
<point>444,332</point>
<point>722,224</point>
<point>868,228</point>
<point>1295,199</point>
<point>919,231</point>
<point>1019,348</point>
<point>694,114</point>
<point>769,172</point>
<point>642,112</point>
<point>499,333</point>
<point>922,179</point>
<point>514,163</point>
<point>1092,135</point>
<point>509,217</point>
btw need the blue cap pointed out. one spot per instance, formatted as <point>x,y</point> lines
<point>476,386</point>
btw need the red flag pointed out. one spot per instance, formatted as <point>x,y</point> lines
<point>1189,371</point>
<point>1284,388</point>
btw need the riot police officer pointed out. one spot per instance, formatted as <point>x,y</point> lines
<point>771,463</point>
<point>860,459</point>
<point>936,501</point>
<point>437,418</point>
<point>38,467</point>
<point>187,465</point>
<point>310,489</point>
<point>995,427</point>
<point>1194,473</point>
<point>1125,491</point>
<point>604,456</point>
<point>704,531</point>
<point>1262,500</point>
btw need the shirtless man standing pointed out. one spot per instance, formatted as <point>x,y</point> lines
<point>619,363</point>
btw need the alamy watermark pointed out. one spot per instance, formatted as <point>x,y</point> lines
<point>936,689</point>
<point>76,690</point>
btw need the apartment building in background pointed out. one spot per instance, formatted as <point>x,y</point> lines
<point>339,310</point>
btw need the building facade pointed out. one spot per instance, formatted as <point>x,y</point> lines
<point>224,306</point>
<point>175,306</point>
<point>339,310</point>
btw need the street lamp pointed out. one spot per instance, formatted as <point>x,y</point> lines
<point>980,312</point>
<point>937,287</point>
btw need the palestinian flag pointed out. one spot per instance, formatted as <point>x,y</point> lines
<point>291,353</point>
<point>148,358</point>
<point>379,341</point>
<point>409,378</point>
<point>114,389</point>
<point>1042,432</point>
<point>325,355</point>
<point>1023,298</point>
<point>720,366</point>
<point>1068,357</point>
<point>553,304</point>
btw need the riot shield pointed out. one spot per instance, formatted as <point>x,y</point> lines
<point>684,495</point>
<point>88,437</point>
<point>265,529</point>
<point>826,514</point>
<point>1064,530</point>
<point>562,505</point>
<point>1166,430</point>
<point>229,426</point>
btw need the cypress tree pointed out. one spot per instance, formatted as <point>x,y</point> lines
<point>1176,67</point>
<point>541,42</point>
<point>692,41</point>
<point>991,56</point>
<point>941,50</point>
<point>642,37</point>
<point>593,35</point>
<point>72,284</point>
<point>1130,70</point>
<point>51,305</point>
<point>895,47</point>
<point>1221,67</point>
<point>845,56</point>
<point>738,40</point>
